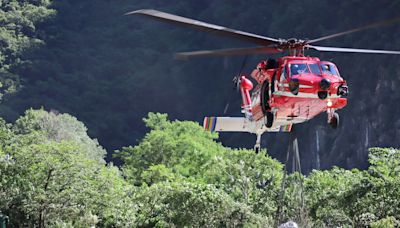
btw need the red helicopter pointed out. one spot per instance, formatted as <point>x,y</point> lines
<point>290,90</point>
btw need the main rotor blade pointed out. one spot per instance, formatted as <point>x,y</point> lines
<point>369,26</point>
<point>203,26</point>
<point>228,52</point>
<point>354,50</point>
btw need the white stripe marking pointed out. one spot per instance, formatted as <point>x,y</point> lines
<point>302,95</point>
<point>301,86</point>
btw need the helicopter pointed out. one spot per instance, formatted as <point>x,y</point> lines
<point>290,90</point>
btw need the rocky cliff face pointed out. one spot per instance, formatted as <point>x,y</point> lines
<point>110,71</point>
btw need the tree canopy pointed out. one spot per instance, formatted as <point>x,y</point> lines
<point>53,174</point>
<point>49,181</point>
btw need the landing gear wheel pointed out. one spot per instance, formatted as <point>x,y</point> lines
<point>265,97</point>
<point>334,122</point>
<point>270,119</point>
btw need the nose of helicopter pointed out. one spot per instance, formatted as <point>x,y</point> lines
<point>325,84</point>
<point>332,85</point>
<point>314,81</point>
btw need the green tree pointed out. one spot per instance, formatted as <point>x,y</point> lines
<point>324,193</point>
<point>59,127</point>
<point>377,195</point>
<point>182,151</point>
<point>340,197</point>
<point>182,204</point>
<point>47,182</point>
<point>253,179</point>
<point>181,146</point>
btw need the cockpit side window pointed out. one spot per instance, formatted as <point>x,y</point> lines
<point>283,74</point>
<point>329,69</point>
<point>300,68</point>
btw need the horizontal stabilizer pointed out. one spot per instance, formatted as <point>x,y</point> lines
<point>225,124</point>
<point>241,124</point>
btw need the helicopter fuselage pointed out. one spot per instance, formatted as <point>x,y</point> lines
<point>289,91</point>
<point>296,90</point>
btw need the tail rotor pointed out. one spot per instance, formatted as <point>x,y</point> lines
<point>236,84</point>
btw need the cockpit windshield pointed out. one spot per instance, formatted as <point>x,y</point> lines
<point>329,69</point>
<point>300,68</point>
<point>314,68</point>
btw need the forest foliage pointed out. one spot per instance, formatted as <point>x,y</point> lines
<point>19,35</point>
<point>178,175</point>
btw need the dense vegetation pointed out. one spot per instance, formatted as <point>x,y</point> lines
<point>53,174</point>
<point>18,36</point>
<point>85,58</point>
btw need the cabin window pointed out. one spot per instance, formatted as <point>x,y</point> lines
<point>329,69</point>
<point>300,68</point>
<point>314,68</point>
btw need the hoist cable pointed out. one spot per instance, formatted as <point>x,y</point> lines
<point>293,153</point>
